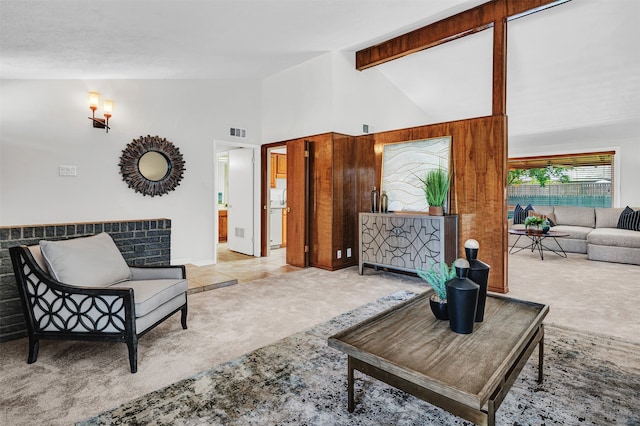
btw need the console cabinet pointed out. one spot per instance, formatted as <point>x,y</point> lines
<point>406,242</point>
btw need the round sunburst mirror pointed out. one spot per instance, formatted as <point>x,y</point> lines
<point>151,165</point>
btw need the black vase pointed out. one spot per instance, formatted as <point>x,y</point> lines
<point>440,309</point>
<point>479,274</point>
<point>462,298</point>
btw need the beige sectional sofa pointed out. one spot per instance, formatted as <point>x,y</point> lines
<point>592,231</point>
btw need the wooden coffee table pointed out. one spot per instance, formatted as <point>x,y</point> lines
<point>537,242</point>
<point>468,375</point>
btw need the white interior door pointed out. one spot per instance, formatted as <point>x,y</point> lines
<point>240,208</point>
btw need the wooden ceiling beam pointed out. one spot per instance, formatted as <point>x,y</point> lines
<point>462,24</point>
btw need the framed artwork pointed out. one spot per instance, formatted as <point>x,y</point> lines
<point>403,162</point>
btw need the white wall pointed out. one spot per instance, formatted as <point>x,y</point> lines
<point>43,124</point>
<point>327,94</point>
<point>574,85</point>
<point>297,102</point>
<point>368,97</point>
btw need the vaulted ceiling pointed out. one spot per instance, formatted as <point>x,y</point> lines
<point>575,66</point>
<point>187,39</point>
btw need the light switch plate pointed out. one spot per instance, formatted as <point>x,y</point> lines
<point>67,170</point>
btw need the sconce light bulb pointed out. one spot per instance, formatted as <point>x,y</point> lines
<point>94,99</point>
<point>108,108</point>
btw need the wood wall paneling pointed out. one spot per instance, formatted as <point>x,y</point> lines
<point>365,160</point>
<point>321,193</point>
<point>344,206</point>
<point>333,201</point>
<point>478,192</point>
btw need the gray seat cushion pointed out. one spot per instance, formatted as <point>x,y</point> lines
<point>149,294</point>
<point>575,232</point>
<point>615,237</point>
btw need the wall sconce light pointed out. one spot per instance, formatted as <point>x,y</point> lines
<point>100,123</point>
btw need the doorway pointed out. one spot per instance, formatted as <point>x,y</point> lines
<point>276,200</point>
<point>236,179</point>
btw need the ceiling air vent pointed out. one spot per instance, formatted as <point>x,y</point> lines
<point>238,133</point>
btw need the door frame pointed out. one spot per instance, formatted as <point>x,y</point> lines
<point>221,145</point>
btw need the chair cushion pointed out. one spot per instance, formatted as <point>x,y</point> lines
<point>37,256</point>
<point>88,261</point>
<point>149,294</point>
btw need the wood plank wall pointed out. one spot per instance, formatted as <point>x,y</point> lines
<point>333,200</point>
<point>479,188</point>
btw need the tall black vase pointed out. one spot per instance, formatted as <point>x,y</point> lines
<point>479,274</point>
<point>462,299</point>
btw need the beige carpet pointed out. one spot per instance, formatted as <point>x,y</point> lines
<point>299,380</point>
<point>601,297</point>
<point>75,380</point>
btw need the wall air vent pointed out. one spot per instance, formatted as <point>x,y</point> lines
<point>238,133</point>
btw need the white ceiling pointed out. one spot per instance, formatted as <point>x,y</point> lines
<point>187,39</point>
<point>575,67</point>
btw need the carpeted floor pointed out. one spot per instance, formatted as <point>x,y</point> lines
<point>589,379</point>
<point>72,381</point>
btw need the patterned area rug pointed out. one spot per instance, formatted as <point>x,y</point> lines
<point>589,379</point>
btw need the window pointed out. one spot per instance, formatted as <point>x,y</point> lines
<point>569,180</point>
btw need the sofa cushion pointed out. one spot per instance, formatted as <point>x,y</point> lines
<point>520,214</point>
<point>575,232</point>
<point>578,216</point>
<point>607,217</point>
<point>629,219</point>
<point>89,261</point>
<point>614,237</point>
<point>149,294</point>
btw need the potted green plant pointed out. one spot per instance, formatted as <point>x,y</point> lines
<point>533,224</point>
<point>437,277</point>
<point>436,184</point>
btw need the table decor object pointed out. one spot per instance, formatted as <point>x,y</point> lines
<point>437,277</point>
<point>478,273</point>
<point>462,299</point>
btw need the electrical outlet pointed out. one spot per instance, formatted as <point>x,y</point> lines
<point>349,252</point>
<point>339,254</point>
<point>67,171</point>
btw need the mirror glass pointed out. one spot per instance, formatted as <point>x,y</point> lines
<point>153,166</point>
<point>403,162</point>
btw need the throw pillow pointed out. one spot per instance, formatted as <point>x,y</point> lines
<point>520,214</point>
<point>89,261</point>
<point>629,219</point>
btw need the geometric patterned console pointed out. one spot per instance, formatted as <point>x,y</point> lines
<point>407,242</point>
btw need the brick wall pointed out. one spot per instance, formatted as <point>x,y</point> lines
<point>142,242</point>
